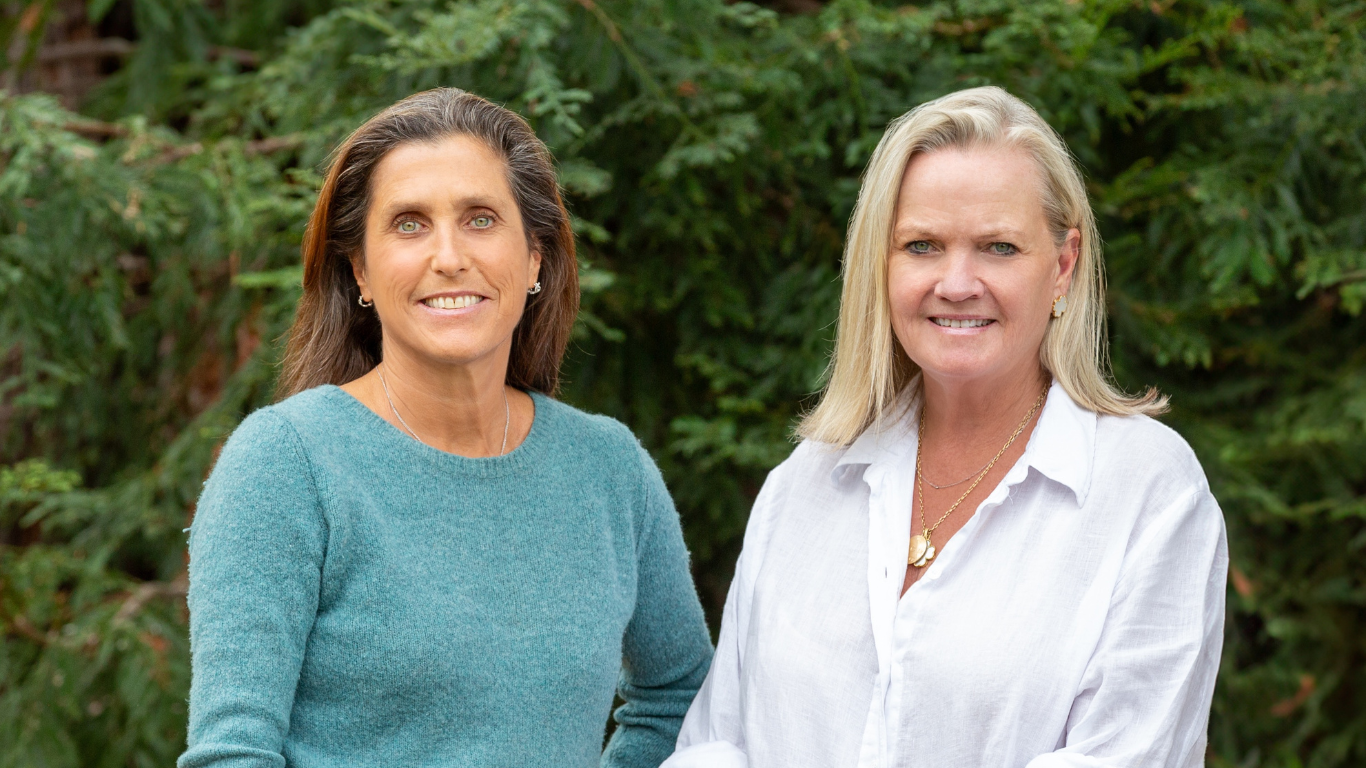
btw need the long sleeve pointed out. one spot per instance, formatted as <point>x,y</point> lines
<point>1075,620</point>
<point>713,733</point>
<point>256,554</point>
<point>666,649</point>
<point>1145,694</point>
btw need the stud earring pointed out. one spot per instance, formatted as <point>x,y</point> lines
<point>1060,305</point>
<point>535,289</point>
<point>361,301</point>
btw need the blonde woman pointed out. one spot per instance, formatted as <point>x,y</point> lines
<point>982,554</point>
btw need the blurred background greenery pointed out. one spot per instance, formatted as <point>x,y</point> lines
<point>158,159</point>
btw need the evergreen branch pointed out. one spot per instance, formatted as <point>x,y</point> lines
<point>1355,276</point>
<point>95,129</point>
<point>101,130</point>
<point>637,66</point>
<point>24,628</point>
<point>146,592</point>
<point>97,48</point>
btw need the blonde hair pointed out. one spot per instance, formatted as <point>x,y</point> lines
<point>869,371</point>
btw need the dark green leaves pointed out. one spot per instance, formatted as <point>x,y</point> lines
<point>710,154</point>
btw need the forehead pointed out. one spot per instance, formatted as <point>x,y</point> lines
<point>450,168</point>
<point>1001,185</point>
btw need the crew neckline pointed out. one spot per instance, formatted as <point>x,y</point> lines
<point>514,460</point>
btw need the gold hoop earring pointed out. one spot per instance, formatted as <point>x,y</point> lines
<point>1060,305</point>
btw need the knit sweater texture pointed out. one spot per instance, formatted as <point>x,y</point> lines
<point>358,598</point>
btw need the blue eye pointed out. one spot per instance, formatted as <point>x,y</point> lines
<point>408,226</point>
<point>482,222</point>
<point>1002,249</point>
<point>918,246</point>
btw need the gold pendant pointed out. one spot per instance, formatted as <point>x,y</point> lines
<point>921,551</point>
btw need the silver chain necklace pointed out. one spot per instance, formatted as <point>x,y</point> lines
<point>507,414</point>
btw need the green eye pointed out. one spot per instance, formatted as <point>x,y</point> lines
<point>918,246</point>
<point>408,226</point>
<point>482,222</point>
<point>1002,249</point>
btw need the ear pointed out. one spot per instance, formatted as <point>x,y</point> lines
<point>358,271</point>
<point>1068,255</point>
<point>535,269</point>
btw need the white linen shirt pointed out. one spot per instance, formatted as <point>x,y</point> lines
<point>1075,620</point>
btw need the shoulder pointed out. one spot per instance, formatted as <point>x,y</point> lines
<point>603,453</point>
<point>597,448</point>
<point>578,430</point>
<point>812,472</point>
<point>264,452</point>
<point>267,434</point>
<point>315,413</point>
<point>279,431</point>
<point>1144,463</point>
<point>263,474</point>
<point>290,434</point>
<point>1140,447</point>
<point>811,463</point>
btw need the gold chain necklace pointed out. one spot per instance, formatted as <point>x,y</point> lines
<point>971,475</point>
<point>921,551</point>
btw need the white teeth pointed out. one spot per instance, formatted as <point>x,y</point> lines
<point>453,302</point>
<point>946,323</point>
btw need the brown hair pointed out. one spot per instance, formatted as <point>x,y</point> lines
<point>334,340</point>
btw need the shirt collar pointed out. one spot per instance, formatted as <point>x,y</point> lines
<point>882,441</point>
<point>1062,446</point>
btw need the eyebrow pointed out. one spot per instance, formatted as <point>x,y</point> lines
<point>472,201</point>
<point>928,233</point>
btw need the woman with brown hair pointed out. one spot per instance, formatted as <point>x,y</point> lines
<point>417,556</point>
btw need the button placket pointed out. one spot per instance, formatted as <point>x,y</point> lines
<point>911,605</point>
<point>880,617</point>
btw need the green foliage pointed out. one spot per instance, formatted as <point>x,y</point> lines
<point>711,154</point>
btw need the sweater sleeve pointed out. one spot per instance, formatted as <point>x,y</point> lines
<point>666,650</point>
<point>256,553</point>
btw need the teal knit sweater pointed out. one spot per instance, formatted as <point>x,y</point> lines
<point>360,599</point>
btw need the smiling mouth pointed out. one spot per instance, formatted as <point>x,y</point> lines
<point>453,302</point>
<point>944,322</point>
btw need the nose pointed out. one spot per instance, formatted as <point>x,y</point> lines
<point>959,281</point>
<point>449,257</point>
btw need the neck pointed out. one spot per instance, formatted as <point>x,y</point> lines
<point>461,409</point>
<point>968,413</point>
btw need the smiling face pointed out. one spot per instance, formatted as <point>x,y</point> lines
<point>446,260</point>
<point>973,268</point>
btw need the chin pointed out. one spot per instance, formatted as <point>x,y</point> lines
<point>458,358</point>
<point>961,373</point>
<point>457,353</point>
<point>958,367</point>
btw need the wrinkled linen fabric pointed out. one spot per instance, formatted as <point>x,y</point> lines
<point>1075,620</point>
